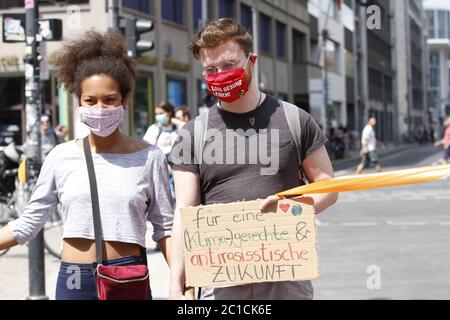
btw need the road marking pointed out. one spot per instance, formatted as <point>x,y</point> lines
<point>322,224</point>
<point>442,197</point>
<point>413,198</point>
<point>444,223</point>
<point>359,224</point>
<point>406,223</point>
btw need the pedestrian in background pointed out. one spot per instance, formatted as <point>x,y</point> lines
<point>50,137</point>
<point>132,177</point>
<point>163,132</point>
<point>445,142</point>
<point>369,145</point>
<point>182,116</point>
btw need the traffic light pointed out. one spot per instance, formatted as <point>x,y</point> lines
<point>133,30</point>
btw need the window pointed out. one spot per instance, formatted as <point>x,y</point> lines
<point>331,55</point>
<point>172,10</point>
<point>313,8</point>
<point>265,33</point>
<point>448,24</point>
<point>329,8</point>
<point>299,46</point>
<point>315,52</point>
<point>434,59</point>
<point>442,23</point>
<point>12,4</point>
<point>176,92</point>
<point>138,5</point>
<point>281,39</point>
<point>247,17</point>
<point>430,17</point>
<point>197,14</point>
<point>349,65</point>
<point>143,107</point>
<point>6,4</point>
<point>226,8</point>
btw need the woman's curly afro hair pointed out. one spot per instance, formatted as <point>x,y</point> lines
<point>95,54</point>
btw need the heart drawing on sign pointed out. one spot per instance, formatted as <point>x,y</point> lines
<point>297,210</point>
<point>285,207</point>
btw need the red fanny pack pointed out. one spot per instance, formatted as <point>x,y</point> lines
<point>123,282</point>
<point>114,282</point>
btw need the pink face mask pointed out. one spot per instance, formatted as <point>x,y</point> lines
<point>102,122</point>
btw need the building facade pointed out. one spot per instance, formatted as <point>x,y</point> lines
<point>411,67</point>
<point>438,18</point>
<point>327,70</point>
<point>169,72</point>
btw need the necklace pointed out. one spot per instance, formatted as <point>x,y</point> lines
<point>257,105</point>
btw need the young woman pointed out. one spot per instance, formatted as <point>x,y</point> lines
<point>132,177</point>
<point>163,132</point>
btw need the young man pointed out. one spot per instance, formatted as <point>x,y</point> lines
<point>369,144</point>
<point>225,50</point>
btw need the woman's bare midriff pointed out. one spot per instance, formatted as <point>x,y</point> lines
<point>82,251</point>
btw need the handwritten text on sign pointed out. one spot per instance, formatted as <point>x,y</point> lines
<point>238,244</point>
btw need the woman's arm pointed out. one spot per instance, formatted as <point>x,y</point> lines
<point>7,239</point>
<point>42,203</point>
<point>165,245</point>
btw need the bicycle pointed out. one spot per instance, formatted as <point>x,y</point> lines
<point>11,194</point>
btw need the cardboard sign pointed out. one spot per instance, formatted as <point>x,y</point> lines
<point>234,244</point>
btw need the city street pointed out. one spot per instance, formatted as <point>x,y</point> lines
<point>397,236</point>
<point>400,233</point>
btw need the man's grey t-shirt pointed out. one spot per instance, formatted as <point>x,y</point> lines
<point>228,181</point>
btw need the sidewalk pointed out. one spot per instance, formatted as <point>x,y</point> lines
<point>353,157</point>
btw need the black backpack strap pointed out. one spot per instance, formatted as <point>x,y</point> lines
<point>94,200</point>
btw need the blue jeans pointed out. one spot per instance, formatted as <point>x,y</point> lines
<point>77,281</point>
<point>447,154</point>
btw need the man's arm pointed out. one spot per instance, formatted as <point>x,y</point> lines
<point>364,143</point>
<point>188,184</point>
<point>317,167</point>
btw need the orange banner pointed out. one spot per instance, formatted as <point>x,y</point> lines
<point>372,181</point>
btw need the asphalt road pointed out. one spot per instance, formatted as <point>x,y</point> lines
<point>389,243</point>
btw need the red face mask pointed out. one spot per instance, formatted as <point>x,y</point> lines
<point>228,86</point>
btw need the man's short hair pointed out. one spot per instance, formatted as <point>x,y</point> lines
<point>218,32</point>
